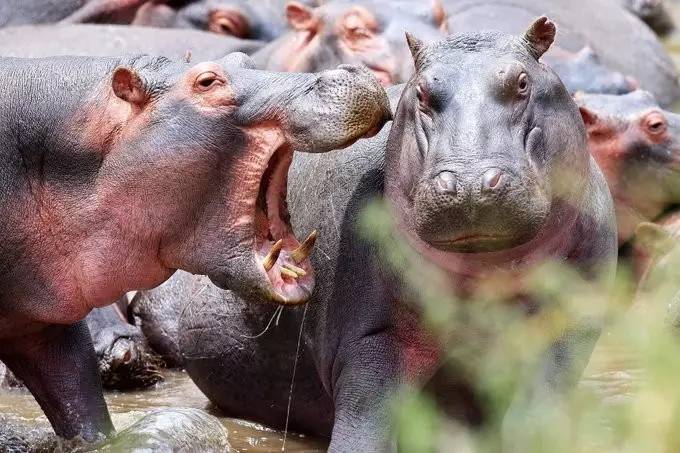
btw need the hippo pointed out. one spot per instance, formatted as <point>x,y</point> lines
<point>124,359</point>
<point>370,32</point>
<point>25,12</point>
<point>637,145</point>
<point>263,20</point>
<point>149,165</point>
<point>472,169</point>
<point>583,71</point>
<point>652,12</point>
<point>607,33</point>
<point>112,40</point>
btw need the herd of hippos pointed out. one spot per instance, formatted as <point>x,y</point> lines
<point>159,153</point>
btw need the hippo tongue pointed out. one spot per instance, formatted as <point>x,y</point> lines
<point>284,259</point>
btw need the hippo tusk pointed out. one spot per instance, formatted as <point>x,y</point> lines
<point>302,252</point>
<point>273,255</point>
<point>298,270</point>
<point>285,272</point>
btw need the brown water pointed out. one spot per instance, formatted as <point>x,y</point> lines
<point>176,391</point>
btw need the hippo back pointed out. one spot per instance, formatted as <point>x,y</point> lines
<point>620,39</point>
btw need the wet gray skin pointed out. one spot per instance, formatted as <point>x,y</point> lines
<point>652,12</point>
<point>369,32</point>
<point>148,166</point>
<point>584,71</point>
<point>637,145</point>
<point>124,359</point>
<point>622,42</point>
<point>113,40</point>
<point>482,132</point>
<point>263,20</point>
<point>25,12</point>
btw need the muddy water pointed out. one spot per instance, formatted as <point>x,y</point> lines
<point>18,406</point>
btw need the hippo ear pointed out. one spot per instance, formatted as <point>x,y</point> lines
<point>653,238</point>
<point>128,86</point>
<point>590,118</point>
<point>417,47</point>
<point>439,16</point>
<point>300,17</point>
<point>540,36</point>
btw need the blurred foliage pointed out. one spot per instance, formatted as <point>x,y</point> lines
<point>628,398</point>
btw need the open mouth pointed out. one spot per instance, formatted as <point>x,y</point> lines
<point>284,260</point>
<point>474,243</point>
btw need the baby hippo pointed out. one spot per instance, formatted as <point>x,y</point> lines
<point>150,165</point>
<point>637,145</point>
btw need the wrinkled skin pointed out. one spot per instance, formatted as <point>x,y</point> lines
<point>123,357</point>
<point>370,32</point>
<point>622,42</point>
<point>24,12</point>
<point>113,40</point>
<point>360,338</point>
<point>157,312</point>
<point>263,20</point>
<point>583,71</point>
<point>653,13</point>
<point>636,143</point>
<point>148,165</point>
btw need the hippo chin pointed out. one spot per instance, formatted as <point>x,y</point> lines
<point>483,132</point>
<point>149,165</point>
<point>636,143</point>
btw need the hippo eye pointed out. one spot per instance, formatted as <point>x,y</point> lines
<point>207,80</point>
<point>656,124</point>
<point>523,83</point>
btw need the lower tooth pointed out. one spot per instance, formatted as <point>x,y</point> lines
<point>298,270</point>
<point>288,273</point>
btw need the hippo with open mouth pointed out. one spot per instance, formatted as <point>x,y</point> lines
<point>115,172</point>
<point>486,170</point>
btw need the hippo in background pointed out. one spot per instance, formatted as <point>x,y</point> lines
<point>369,32</point>
<point>262,20</point>
<point>652,12</point>
<point>622,42</point>
<point>149,165</point>
<point>636,143</point>
<point>27,12</point>
<point>111,40</point>
<point>482,127</point>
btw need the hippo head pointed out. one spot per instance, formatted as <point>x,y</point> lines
<point>370,32</point>
<point>483,137</point>
<point>584,71</point>
<point>637,145</point>
<point>201,167</point>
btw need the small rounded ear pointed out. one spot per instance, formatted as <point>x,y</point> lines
<point>230,22</point>
<point>439,15</point>
<point>416,46</point>
<point>300,17</point>
<point>590,118</point>
<point>654,238</point>
<point>540,36</point>
<point>128,86</point>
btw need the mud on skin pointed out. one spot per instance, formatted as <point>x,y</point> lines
<point>444,158</point>
<point>637,145</point>
<point>149,165</point>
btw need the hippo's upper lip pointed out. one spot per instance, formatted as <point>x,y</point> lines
<point>472,242</point>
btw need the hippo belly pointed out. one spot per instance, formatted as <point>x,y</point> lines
<point>623,42</point>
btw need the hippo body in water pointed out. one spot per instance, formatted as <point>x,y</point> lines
<point>112,40</point>
<point>607,32</point>
<point>480,115</point>
<point>636,143</point>
<point>146,166</point>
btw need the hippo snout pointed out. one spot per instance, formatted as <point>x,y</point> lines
<point>489,181</point>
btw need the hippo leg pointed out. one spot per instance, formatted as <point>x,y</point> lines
<point>366,371</point>
<point>59,367</point>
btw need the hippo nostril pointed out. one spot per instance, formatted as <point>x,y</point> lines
<point>445,183</point>
<point>491,180</point>
<point>127,357</point>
